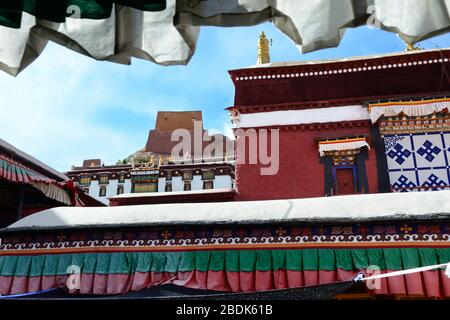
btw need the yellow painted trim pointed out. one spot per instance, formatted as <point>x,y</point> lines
<point>408,103</point>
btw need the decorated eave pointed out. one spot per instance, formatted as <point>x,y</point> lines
<point>115,168</point>
<point>315,68</point>
<point>18,155</point>
<point>220,167</point>
<point>412,108</point>
<point>18,167</point>
<point>234,246</point>
<point>343,82</point>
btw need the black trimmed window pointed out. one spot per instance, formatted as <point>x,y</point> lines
<point>187,175</point>
<point>103,179</point>
<point>102,192</point>
<point>208,177</point>
<point>84,180</point>
<point>144,187</point>
<point>121,177</point>
<point>207,185</point>
<point>208,174</point>
<point>187,185</point>
<point>187,178</point>
<point>119,189</point>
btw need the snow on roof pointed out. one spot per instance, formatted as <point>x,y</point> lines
<point>171,193</point>
<point>374,207</point>
<point>347,59</point>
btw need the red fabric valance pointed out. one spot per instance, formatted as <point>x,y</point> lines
<point>431,284</point>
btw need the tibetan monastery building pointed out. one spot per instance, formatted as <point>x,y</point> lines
<point>358,125</point>
<point>151,175</point>
<point>249,248</point>
<point>358,144</point>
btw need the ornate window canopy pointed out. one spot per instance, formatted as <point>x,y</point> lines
<point>343,158</point>
<point>408,108</point>
<point>348,144</point>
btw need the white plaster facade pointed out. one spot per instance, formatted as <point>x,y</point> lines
<point>111,189</point>
<point>220,182</point>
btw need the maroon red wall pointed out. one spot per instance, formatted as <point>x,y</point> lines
<point>346,82</point>
<point>301,175</point>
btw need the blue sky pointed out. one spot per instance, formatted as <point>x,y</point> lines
<point>66,107</point>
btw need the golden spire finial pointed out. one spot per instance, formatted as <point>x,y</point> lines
<point>263,50</point>
<point>410,47</point>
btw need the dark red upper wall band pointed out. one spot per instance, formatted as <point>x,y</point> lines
<point>347,81</point>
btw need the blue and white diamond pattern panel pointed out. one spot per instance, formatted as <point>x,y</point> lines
<point>432,179</point>
<point>399,154</point>
<point>447,144</point>
<point>418,161</point>
<point>403,181</point>
<point>430,151</point>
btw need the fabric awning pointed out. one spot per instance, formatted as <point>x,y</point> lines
<point>18,173</point>
<point>409,108</point>
<point>240,271</point>
<point>57,11</point>
<point>127,32</point>
<point>127,28</point>
<point>341,145</point>
<point>316,24</point>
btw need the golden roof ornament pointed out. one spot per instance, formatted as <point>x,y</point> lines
<point>410,47</point>
<point>263,49</point>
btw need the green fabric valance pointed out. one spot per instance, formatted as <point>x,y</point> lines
<point>228,261</point>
